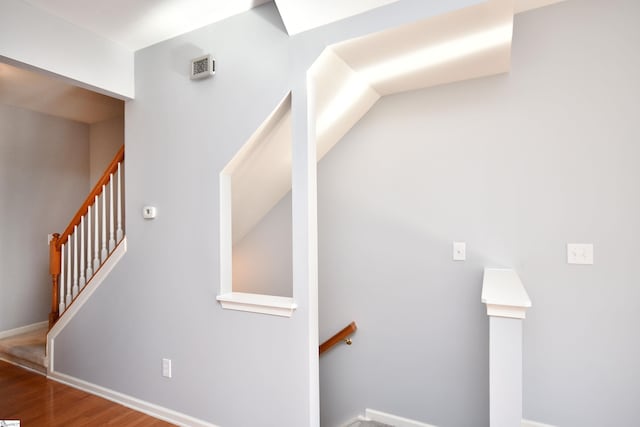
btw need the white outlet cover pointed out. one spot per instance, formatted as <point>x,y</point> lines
<point>459,251</point>
<point>580,253</point>
<point>166,368</point>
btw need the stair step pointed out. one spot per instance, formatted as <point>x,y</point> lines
<point>26,349</point>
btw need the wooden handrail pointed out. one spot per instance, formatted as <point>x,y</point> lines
<point>341,336</point>
<point>97,190</point>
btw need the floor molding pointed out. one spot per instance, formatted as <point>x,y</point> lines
<point>529,423</point>
<point>23,329</point>
<point>148,408</point>
<point>394,420</point>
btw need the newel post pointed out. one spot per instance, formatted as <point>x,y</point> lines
<point>54,270</point>
<point>507,302</point>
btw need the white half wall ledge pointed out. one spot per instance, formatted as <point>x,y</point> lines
<point>504,294</point>
<point>257,303</point>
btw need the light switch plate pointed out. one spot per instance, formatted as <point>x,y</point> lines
<point>580,253</point>
<point>459,251</point>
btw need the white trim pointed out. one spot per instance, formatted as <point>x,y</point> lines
<point>529,423</point>
<point>23,329</point>
<point>148,408</point>
<point>83,297</point>
<point>353,420</point>
<point>393,420</point>
<point>506,311</point>
<point>256,303</point>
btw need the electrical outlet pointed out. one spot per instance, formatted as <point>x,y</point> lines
<point>580,253</point>
<point>459,251</point>
<point>166,368</point>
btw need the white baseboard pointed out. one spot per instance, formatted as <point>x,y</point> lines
<point>151,409</point>
<point>529,423</point>
<point>23,329</point>
<point>393,420</point>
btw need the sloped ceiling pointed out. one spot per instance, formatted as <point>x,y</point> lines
<point>44,94</point>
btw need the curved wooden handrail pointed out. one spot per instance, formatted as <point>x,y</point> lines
<point>97,190</point>
<point>341,336</point>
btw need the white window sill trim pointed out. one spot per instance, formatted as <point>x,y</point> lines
<point>256,303</point>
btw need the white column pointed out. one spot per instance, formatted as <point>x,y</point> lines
<point>61,307</point>
<point>112,240</point>
<point>89,253</point>
<point>82,280</point>
<point>74,290</point>
<point>119,232</point>
<point>506,301</point>
<point>104,253</point>
<point>68,296</point>
<point>96,245</point>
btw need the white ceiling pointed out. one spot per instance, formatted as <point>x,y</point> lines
<point>136,24</point>
<point>139,23</point>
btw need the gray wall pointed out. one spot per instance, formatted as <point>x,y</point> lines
<point>44,170</point>
<point>262,258</point>
<point>517,166</point>
<point>230,368</point>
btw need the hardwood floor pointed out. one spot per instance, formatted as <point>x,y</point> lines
<point>40,402</point>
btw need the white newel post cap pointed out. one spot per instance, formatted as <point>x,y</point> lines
<point>504,294</point>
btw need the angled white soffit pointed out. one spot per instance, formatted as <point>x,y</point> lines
<point>349,77</point>
<point>260,172</point>
<point>303,15</point>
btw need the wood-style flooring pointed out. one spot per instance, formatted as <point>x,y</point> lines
<point>39,402</point>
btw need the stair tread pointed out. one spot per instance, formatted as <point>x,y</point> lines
<point>26,349</point>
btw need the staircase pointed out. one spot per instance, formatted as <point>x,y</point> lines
<point>26,349</point>
<point>78,260</point>
<point>76,256</point>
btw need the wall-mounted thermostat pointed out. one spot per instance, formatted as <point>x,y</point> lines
<point>149,212</point>
<point>203,67</point>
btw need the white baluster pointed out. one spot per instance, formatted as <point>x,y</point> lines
<point>82,280</point>
<point>112,241</point>
<point>61,307</point>
<point>74,290</point>
<point>104,252</point>
<point>68,296</point>
<point>119,233</point>
<point>89,269</point>
<point>96,257</point>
